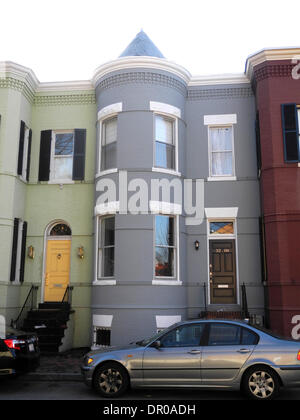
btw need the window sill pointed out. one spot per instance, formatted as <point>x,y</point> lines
<point>221,178</point>
<point>110,282</point>
<point>166,282</point>
<point>61,181</point>
<point>166,171</point>
<point>107,172</point>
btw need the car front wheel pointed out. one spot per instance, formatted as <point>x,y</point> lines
<point>111,380</point>
<point>261,383</point>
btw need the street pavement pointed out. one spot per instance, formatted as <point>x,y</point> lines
<point>21,388</point>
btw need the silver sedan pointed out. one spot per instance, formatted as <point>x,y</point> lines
<point>207,354</point>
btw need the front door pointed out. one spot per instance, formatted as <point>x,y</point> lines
<point>222,274</point>
<point>57,272</point>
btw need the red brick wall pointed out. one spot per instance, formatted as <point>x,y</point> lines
<point>280,183</point>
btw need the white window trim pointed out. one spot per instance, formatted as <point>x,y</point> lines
<point>161,107</point>
<point>112,207</point>
<point>219,121</point>
<point>100,321</point>
<point>214,237</point>
<point>166,110</point>
<point>168,281</point>
<point>102,281</point>
<point>221,212</point>
<point>165,321</point>
<point>104,114</point>
<point>53,180</point>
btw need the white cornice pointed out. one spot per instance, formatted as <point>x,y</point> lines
<point>24,74</point>
<point>127,63</point>
<point>76,85</point>
<point>272,54</point>
<point>219,79</point>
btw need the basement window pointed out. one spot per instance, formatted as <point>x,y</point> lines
<point>102,336</point>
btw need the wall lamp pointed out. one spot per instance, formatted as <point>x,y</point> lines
<point>30,252</point>
<point>197,245</point>
<point>80,252</point>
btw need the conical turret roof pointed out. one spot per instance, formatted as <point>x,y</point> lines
<point>142,46</point>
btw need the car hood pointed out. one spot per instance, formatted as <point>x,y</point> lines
<point>114,349</point>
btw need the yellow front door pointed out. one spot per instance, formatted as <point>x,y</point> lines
<point>57,273</point>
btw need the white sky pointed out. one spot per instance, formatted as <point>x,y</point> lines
<point>68,39</point>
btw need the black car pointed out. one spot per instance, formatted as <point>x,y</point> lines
<point>7,360</point>
<point>24,347</point>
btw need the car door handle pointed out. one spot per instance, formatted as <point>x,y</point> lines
<point>243,351</point>
<point>194,352</point>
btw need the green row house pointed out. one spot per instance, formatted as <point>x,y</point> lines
<point>33,210</point>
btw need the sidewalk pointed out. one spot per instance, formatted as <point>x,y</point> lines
<point>59,367</point>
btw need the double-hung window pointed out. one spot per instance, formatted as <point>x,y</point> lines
<point>165,246</point>
<point>291,136</point>
<point>109,144</point>
<point>221,151</point>
<point>62,155</point>
<point>106,247</point>
<point>165,142</point>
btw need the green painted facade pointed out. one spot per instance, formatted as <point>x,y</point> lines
<point>41,203</point>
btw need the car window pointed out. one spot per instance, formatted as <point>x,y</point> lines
<point>249,338</point>
<point>224,335</point>
<point>184,336</point>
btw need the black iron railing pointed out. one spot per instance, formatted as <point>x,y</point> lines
<point>245,312</point>
<point>29,304</point>
<point>68,295</point>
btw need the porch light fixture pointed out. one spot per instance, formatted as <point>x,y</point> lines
<point>197,245</point>
<point>30,252</point>
<point>80,252</point>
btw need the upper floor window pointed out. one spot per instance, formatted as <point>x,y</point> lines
<point>109,144</point>
<point>291,136</point>
<point>24,151</point>
<point>106,247</point>
<point>165,246</point>
<point>165,142</point>
<point>62,155</point>
<point>221,154</point>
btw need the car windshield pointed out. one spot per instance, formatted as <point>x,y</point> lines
<point>146,341</point>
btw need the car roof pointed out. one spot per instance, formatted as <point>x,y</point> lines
<point>221,321</point>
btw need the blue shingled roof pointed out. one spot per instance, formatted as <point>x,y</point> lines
<point>142,45</point>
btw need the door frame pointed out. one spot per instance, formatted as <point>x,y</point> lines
<point>221,238</point>
<point>47,238</point>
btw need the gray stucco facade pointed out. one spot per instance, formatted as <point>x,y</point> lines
<point>133,303</point>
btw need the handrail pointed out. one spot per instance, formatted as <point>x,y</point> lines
<point>68,295</point>
<point>245,311</point>
<point>32,294</point>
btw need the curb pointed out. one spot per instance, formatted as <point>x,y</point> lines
<point>51,376</point>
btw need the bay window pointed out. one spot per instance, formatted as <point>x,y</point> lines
<point>106,247</point>
<point>165,246</point>
<point>165,142</point>
<point>109,144</point>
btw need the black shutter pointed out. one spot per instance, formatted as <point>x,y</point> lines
<point>290,132</point>
<point>28,155</point>
<point>23,252</point>
<point>14,250</point>
<point>79,155</point>
<point>45,151</point>
<point>258,146</point>
<point>21,148</point>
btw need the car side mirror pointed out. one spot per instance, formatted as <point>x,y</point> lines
<point>157,345</point>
